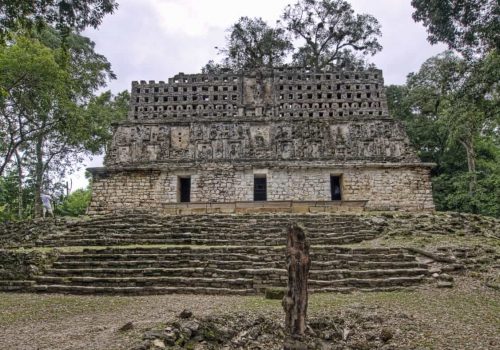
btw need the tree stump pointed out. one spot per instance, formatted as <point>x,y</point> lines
<point>295,300</point>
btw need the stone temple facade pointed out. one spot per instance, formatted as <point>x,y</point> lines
<point>286,139</point>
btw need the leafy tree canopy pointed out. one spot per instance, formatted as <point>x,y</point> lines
<point>450,108</point>
<point>330,30</point>
<point>62,14</point>
<point>253,43</point>
<point>468,26</point>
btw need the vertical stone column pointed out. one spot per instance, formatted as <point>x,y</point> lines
<point>296,298</point>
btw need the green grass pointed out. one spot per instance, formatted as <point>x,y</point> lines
<point>461,305</point>
<point>433,318</point>
<point>32,307</point>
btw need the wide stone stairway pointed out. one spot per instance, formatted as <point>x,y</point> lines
<point>217,254</point>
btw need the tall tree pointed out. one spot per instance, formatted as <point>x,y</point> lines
<point>450,108</point>
<point>330,31</point>
<point>31,83</point>
<point>252,43</point>
<point>51,113</point>
<point>62,14</point>
<point>471,27</point>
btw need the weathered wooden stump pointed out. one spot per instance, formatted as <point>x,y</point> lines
<point>295,300</point>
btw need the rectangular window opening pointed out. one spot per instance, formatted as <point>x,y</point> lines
<point>336,187</point>
<point>185,189</point>
<point>260,187</point>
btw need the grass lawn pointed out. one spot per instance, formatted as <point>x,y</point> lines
<point>465,317</point>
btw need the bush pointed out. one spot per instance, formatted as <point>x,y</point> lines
<point>75,204</point>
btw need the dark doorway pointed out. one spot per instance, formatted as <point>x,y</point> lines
<point>260,188</point>
<point>335,184</point>
<point>185,189</point>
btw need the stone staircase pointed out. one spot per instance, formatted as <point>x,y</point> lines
<point>225,270</point>
<point>217,254</point>
<point>250,230</point>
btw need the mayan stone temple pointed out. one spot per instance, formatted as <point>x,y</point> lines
<point>287,139</point>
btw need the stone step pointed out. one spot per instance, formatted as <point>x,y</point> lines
<point>220,229</point>
<point>198,241</point>
<point>237,283</point>
<point>230,264</point>
<point>208,255</point>
<point>233,264</point>
<point>346,290</point>
<point>67,289</point>
<point>268,273</point>
<point>316,286</point>
<point>399,281</point>
<point>15,285</point>
<point>216,226</point>
<point>316,251</point>
<point>329,275</point>
<point>204,234</point>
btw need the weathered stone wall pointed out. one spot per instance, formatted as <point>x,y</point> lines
<point>295,126</point>
<point>283,92</point>
<point>384,187</point>
<point>22,265</point>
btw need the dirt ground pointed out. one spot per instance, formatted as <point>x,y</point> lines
<point>465,317</point>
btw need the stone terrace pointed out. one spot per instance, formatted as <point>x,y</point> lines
<point>215,254</point>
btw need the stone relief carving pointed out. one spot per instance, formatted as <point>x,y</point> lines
<point>180,137</point>
<point>303,140</point>
<point>260,136</point>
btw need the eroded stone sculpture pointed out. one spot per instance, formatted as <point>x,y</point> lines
<point>296,297</point>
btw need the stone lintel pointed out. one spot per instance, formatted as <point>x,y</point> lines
<point>188,120</point>
<point>249,166</point>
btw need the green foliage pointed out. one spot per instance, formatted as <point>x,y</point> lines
<point>104,110</point>
<point>253,43</point>
<point>450,108</point>
<point>75,204</point>
<point>15,203</point>
<point>330,31</point>
<point>31,83</point>
<point>8,197</point>
<point>468,26</point>
<point>65,15</point>
<point>49,113</point>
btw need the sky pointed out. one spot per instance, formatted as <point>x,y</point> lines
<point>156,39</point>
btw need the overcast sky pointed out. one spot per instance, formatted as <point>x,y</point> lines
<point>156,39</point>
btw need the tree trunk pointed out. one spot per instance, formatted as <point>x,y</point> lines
<point>38,176</point>
<point>471,164</point>
<point>19,185</point>
<point>296,298</point>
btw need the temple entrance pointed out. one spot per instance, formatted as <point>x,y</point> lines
<point>336,188</point>
<point>260,188</point>
<point>184,189</point>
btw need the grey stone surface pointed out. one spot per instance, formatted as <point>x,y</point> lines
<point>294,126</point>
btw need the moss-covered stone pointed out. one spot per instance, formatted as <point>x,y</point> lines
<point>23,264</point>
<point>274,293</point>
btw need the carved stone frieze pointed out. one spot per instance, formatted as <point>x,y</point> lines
<point>382,140</point>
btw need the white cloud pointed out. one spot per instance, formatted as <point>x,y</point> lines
<point>194,18</point>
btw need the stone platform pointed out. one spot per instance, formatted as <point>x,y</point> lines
<point>262,207</point>
<point>214,254</point>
